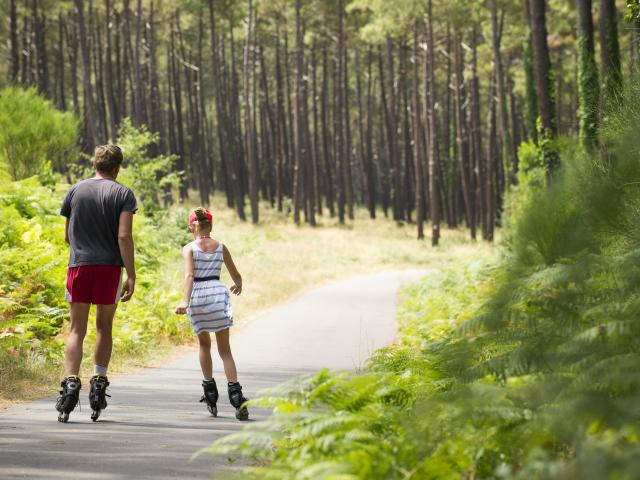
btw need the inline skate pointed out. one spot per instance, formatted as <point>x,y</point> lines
<point>69,397</point>
<point>97,395</point>
<point>210,396</point>
<point>237,400</point>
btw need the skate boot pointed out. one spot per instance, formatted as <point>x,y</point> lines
<point>237,400</point>
<point>210,396</point>
<point>97,395</point>
<point>69,396</point>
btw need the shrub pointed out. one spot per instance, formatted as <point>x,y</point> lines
<point>33,132</point>
<point>148,177</point>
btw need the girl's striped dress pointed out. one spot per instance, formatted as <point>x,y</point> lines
<point>210,305</point>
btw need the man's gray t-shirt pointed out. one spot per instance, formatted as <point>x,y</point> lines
<point>93,207</point>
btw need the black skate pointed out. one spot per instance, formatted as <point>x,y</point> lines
<point>68,399</point>
<point>97,395</point>
<point>237,400</point>
<point>210,396</point>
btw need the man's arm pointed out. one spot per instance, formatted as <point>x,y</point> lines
<point>125,241</point>
<point>66,230</point>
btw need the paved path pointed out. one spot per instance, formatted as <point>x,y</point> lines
<point>154,422</point>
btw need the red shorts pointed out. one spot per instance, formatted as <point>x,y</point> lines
<point>97,284</point>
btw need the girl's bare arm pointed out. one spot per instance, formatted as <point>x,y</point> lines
<point>188,280</point>
<point>233,271</point>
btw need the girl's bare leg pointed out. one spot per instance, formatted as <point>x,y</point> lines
<point>224,350</point>
<point>206,364</point>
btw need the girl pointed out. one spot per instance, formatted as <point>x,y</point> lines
<point>206,300</point>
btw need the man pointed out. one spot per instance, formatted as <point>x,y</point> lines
<point>99,214</point>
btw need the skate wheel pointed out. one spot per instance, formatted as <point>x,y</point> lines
<point>63,417</point>
<point>213,410</point>
<point>95,415</point>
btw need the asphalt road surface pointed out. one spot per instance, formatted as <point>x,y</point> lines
<point>154,422</point>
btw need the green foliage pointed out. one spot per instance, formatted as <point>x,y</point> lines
<point>148,177</point>
<point>33,132</point>
<point>633,11</point>
<point>336,428</point>
<point>527,368</point>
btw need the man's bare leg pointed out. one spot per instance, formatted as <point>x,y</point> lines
<point>73,351</point>
<point>104,338</point>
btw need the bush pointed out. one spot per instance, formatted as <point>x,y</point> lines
<point>148,177</point>
<point>33,132</point>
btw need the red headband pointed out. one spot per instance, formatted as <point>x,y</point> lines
<point>193,218</point>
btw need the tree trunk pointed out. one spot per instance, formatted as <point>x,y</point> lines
<point>13,38</point>
<point>368,155</point>
<point>392,133</point>
<point>299,151</point>
<point>544,84</point>
<point>508,150</point>
<point>269,130</point>
<point>462,141</point>
<point>407,157</point>
<point>72,50</point>
<point>417,142</point>
<point>62,101</point>
<point>326,134</point>
<point>348,152</point>
<point>476,139</point>
<point>317,199</point>
<point>91,119</point>
<point>101,107</point>
<point>114,119</point>
<point>542,66</point>
<point>531,97</point>
<point>155,123</point>
<point>200,120</point>
<point>223,121</point>
<point>177,98</point>
<point>281,123</point>
<point>448,175</point>
<point>25,68</point>
<point>290,138</point>
<point>430,105</point>
<point>339,119</point>
<point>490,195</point>
<point>249,121</point>
<point>39,23</point>
<point>310,214</point>
<point>610,53</point>
<point>138,96</point>
<point>588,88</point>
